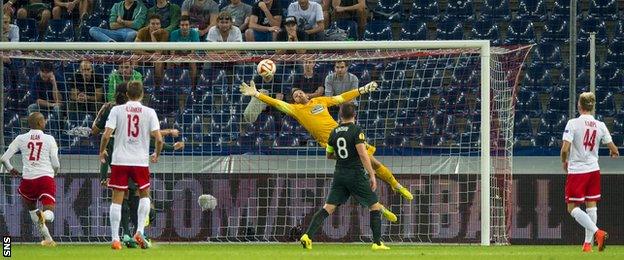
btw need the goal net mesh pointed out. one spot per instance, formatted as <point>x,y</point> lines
<point>267,173</point>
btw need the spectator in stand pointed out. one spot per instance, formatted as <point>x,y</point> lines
<point>86,93</point>
<point>291,33</point>
<point>264,22</point>
<point>240,13</point>
<point>325,4</point>
<point>69,7</point>
<point>126,17</point>
<point>225,31</point>
<point>36,9</point>
<point>169,14</point>
<point>154,33</point>
<point>310,18</point>
<point>341,80</point>
<point>202,14</point>
<point>45,90</point>
<point>10,32</point>
<point>351,9</point>
<point>309,82</point>
<point>125,72</point>
<point>186,34</point>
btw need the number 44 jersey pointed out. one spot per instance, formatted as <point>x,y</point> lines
<point>585,133</point>
<point>39,154</point>
<point>133,124</point>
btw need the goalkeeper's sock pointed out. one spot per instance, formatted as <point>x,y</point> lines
<point>115,218</point>
<point>375,224</point>
<point>582,218</point>
<point>593,215</point>
<point>142,213</point>
<point>386,175</point>
<point>125,218</point>
<point>317,221</point>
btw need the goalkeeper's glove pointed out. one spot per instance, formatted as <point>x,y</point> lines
<point>370,87</point>
<point>249,90</point>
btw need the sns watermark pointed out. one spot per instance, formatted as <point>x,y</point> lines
<point>6,246</point>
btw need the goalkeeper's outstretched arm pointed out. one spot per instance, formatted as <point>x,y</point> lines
<point>250,90</point>
<point>352,94</point>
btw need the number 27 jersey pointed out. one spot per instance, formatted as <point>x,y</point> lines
<point>133,124</point>
<point>585,134</point>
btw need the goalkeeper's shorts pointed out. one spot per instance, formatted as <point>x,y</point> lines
<point>370,149</point>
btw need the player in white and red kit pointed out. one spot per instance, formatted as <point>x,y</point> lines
<point>579,155</point>
<point>134,125</point>
<point>40,163</point>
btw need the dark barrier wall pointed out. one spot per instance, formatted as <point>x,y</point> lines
<point>539,213</point>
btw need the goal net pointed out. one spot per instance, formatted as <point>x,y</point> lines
<point>269,176</point>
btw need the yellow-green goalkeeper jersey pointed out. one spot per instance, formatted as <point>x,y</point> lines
<point>313,116</point>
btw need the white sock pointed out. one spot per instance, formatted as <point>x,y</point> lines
<point>142,213</point>
<point>115,219</point>
<point>34,217</point>
<point>43,229</point>
<point>593,215</point>
<point>582,218</point>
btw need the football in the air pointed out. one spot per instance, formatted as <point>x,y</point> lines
<point>266,68</point>
<point>207,202</point>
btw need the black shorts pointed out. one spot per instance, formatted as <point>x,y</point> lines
<point>349,182</point>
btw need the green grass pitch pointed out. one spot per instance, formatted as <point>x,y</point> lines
<point>320,251</point>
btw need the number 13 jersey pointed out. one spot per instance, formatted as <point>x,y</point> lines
<point>133,124</point>
<point>585,133</point>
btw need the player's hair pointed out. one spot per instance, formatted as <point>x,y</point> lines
<point>35,120</point>
<point>120,93</point>
<point>135,90</point>
<point>185,18</point>
<point>154,16</point>
<point>587,100</point>
<point>347,111</point>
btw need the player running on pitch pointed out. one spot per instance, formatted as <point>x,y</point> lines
<point>579,155</point>
<point>40,164</point>
<point>314,116</point>
<point>347,145</point>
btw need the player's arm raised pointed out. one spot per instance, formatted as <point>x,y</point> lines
<point>361,149</point>
<point>250,90</point>
<point>350,95</point>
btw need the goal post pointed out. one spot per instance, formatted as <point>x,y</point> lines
<point>430,73</point>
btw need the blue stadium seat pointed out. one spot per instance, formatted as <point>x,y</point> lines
<point>449,28</point>
<point>615,51</point>
<point>556,31</point>
<point>619,29</point>
<point>486,30</point>
<point>529,103</point>
<point>523,125</point>
<point>93,20</point>
<point>561,9</point>
<point>390,10</point>
<point>59,31</point>
<point>378,30</point>
<point>102,8</point>
<point>520,32</point>
<point>593,24</point>
<point>605,102</point>
<point>462,9</point>
<point>582,54</point>
<point>545,140</point>
<point>29,31</point>
<point>414,30</point>
<point>604,9</point>
<point>549,54</point>
<point>350,26</point>
<point>425,10</point>
<point>496,10</point>
<point>533,10</point>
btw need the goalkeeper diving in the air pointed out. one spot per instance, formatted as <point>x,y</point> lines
<point>314,116</point>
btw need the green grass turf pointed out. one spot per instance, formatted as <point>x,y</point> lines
<point>319,252</point>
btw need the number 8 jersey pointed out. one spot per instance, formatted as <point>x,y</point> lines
<point>133,124</point>
<point>39,154</point>
<point>585,134</point>
<point>342,142</point>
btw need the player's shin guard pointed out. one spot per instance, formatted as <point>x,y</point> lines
<point>375,224</point>
<point>593,215</point>
<point>582,218</point>
<point>115,218</point>
<point>386,175</point>
<point>143,213</point>
<point>317,221</point>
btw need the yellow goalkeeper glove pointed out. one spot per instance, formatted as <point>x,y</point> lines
<point>370,87</point>
<point>249,90</point>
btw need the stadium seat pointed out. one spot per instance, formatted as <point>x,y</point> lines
<point>378,30</point>
<point>529,103</point>
<point>486,30</point>
<point>93,20</point>
<point>59,31</point>
<point>102,8</point>
<point>523,125</point>
<point>390,10</point>
<point>549,54</point>
<point>593,24</point>
<point>496,10</point>
<point>619,29</point>
<point>449,28</point>
<point>29,31</point>
<point>561,9</point>
<point>350,26</point>
<point>604,9</point>
<point>414,30</point>
<point>520,32</point>
<point>556,31</point>
<point>425,10</point>
<point>462,9</point>
<point>545,140</point>
<point>244,72</point>
<point>533,10</point>
<point>615,51</point>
